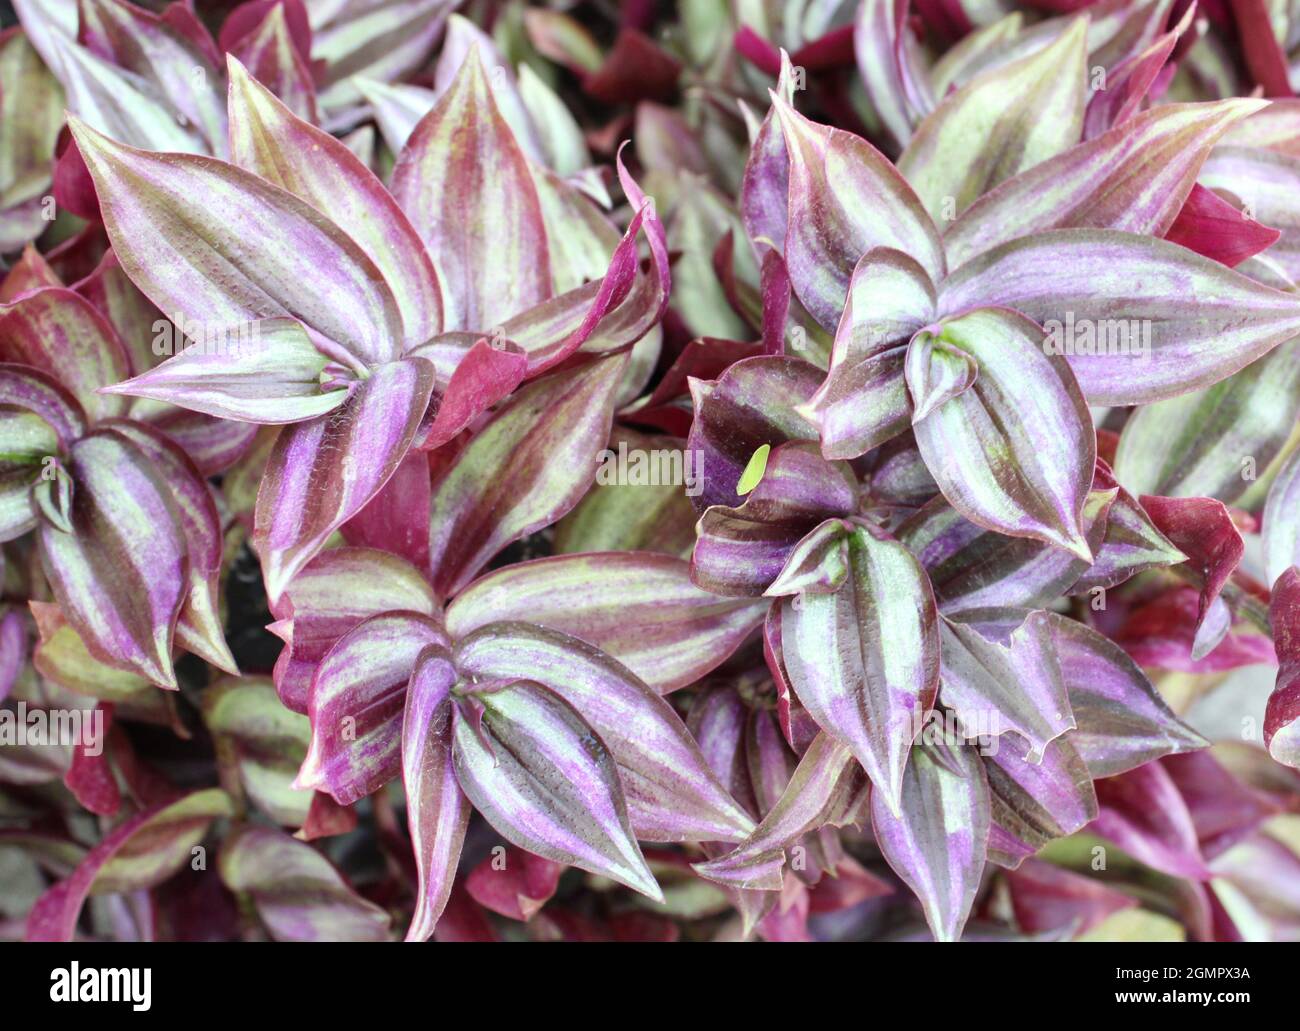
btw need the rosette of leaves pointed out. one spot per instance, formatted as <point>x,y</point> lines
<point>940,279</point>
<point>367,335</point>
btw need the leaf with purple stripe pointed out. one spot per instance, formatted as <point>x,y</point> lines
<point>195,260</point>
<point>1134,177</point>
<point>1122,721</point>
<point>464,182</point>
<point>1013,452</point>
<point>638,607</point>
<point>1035,802</point>
<point>672,794</point>
<point>740,551</point>
<point>437,811</point>
<point>544,780</point>
<point>322,473</point>
<point>336,591</point>
<point>936,838</point>
<point>523,470</point>
<point>845,198</point>
<point>864,661</point>
<point>121,574</point>
<point>356,700</point>
<point>1170,320</point>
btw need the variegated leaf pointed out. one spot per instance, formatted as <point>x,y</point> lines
<point>545,780</point>
<point>845,198</point>
<point>268,139</point>
<point>671,793</point>
<point>523,470</point>
<point>864,660</point>
<point>639,608</point>
<point>1214,442</point>
<point>194,262</point>
<point>1139,319</point>
<point>464,183</point>
<point>1000,123</point>
<point>1134,177</point>
<point>120,568</point>
<point>323,472</point>
<point>139,852</point>
<point>936,838</point>
<point>437,811</point>
<point>1013,452</point>
<point>357,696</point>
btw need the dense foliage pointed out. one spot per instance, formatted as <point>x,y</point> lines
<point>793,470</point>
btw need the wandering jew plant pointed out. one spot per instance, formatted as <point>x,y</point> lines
<point>538,471</point>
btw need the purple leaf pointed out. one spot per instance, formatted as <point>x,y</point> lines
<point>1224,809</point>
<point>356,700</point>
<point>1134,177</point>
<point>545,781</point>
<point>765,186</point>
<point>639,608</point>
<point>1129,81</point>
<point>1143,813</point>
<point>523,470</point>
<point>1002,122</point>
<point>1047,898</point>
<point>1281,518</point>
<point>268,139</point>
<point>864,400</point>
<point>62,334</point>
<point>718,721</point>
<point>973,568</point>
<point>13,650</point>
<point>465,185</point>
<point>39,392</point>
<point>1210,225</point>
<point>1195,444</point>
<point>845,199</point>
<point>1131,543</point>
<point>268,371</point>
<point>437,811</point>
<point>881,38</point>
<point>484,376</point>
<point>272,56</point>
<point>139,852</point>
<point>1013,452</point>
<point>1266,181</point>
<point>335,592</point>
<point>322,473</point>
<point>937,836</point>
<point>1015,683</point>
<point>194,263</point>
<point>1282,717</point>
<point>1139,319</point>
<point>396,518</point>
<point>815,789</point>
<point>295,891</point>
<point>121,572</point>
<point>516,889</point>
<point>1036,802</point>
<point>751,404</point>
<point>818,564</point>
<point>1203,530</point>
<point>864,661</point>
<point>198,629</point>
<point>672,794</point>
<point>740,551</point>
<point>1122,721</point>
<point>170,64</point>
